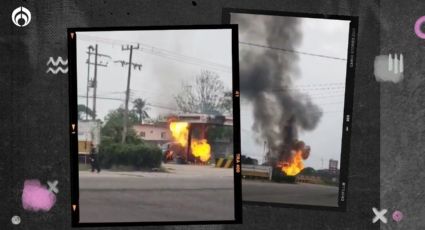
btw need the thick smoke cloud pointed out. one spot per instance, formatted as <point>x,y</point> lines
<point>266,77</point>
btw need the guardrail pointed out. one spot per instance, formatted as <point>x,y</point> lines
<point>308,179</point>
<point>224,163</point>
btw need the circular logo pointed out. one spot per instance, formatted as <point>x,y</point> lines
<point>16,220</point>
<point>397,216</point>
<point>21,16</point>
<point>418,25</point>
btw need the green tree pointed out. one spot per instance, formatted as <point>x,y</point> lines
<point>84,110</point>
<point>113,128</point>
<point>207,95</point>
<point>140,107</point>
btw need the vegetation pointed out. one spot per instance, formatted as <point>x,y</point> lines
<point>207,95</point>
<point>140,107</point>
<point>84,111</point>
<point>248,160</point>
<point>135,153</point>
<point>113,128</point>
<point>138,156</point>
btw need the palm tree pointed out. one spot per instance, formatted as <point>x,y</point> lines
<point>82,109</point>
<point>141,109</point>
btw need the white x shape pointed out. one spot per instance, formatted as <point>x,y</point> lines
<point>379,215</point>
<point>52,186</point>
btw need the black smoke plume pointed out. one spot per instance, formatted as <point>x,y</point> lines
<point>266,77</point>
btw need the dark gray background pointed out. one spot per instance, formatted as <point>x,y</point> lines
<point>34,105</point>
<point>402,117</point>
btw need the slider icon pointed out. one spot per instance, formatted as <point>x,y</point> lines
<point>73,128</point>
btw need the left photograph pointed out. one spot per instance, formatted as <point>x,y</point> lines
<point>152,125</point>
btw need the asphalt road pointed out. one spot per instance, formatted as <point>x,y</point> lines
<point>186,193</point>
<point>305,194</point>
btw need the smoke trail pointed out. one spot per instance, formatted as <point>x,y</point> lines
<point>266,78</point>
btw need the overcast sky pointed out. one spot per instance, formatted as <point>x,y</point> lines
<point>322,78</point>
<point>169,57</point>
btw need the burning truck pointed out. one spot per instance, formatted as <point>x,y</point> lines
<point>288,156</point>
<point>291,163</point>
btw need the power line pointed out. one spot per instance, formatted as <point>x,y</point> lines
<point>172,55</point>
<point>224,69</point>
<point>123,100</point>
<point>161,107</point>
<point>245,113</point>
<point>330,103</point>
<point>104,98</point>
<point>322,96</point>
<point>303,89</point>
<point>292,51</point>
<point>315,85</point>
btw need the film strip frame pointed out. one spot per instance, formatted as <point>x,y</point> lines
<point>73,125</point>
<point>348,101</point>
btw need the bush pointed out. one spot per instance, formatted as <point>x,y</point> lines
<point>138,156</point>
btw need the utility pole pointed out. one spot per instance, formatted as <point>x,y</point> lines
<point>94,81</point>
<point>90,48</point>
<point>127,93</point>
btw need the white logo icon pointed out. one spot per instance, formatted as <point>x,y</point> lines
<point>379,215</point>
<point>395,64</point>
<point>21,16</point>
<point>389,68</point>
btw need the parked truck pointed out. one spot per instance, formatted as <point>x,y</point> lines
<point>257,172</point>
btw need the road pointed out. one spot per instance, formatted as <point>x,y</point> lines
<point>306,194</point>
<point>185,193</point>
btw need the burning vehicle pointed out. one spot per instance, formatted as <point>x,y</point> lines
<point>173,151</point>
<point>292,164</point>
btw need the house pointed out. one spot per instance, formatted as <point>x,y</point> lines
<point>156,134</point>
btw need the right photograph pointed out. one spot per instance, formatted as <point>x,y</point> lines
<point>296,89</point>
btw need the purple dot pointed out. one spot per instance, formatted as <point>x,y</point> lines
<point>397,216</point>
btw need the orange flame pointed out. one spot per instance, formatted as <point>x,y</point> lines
<point>200,148</point>
<point>295,166</point>
<point>180,132</point>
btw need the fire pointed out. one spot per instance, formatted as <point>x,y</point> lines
<point>180,132</point>
<point>295,166</point>
<point>200,148</point>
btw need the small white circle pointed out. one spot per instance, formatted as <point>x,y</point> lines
<point>16,220</point>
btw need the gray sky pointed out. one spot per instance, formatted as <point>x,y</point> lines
<point>323,79</point>
<point>169,57</point>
